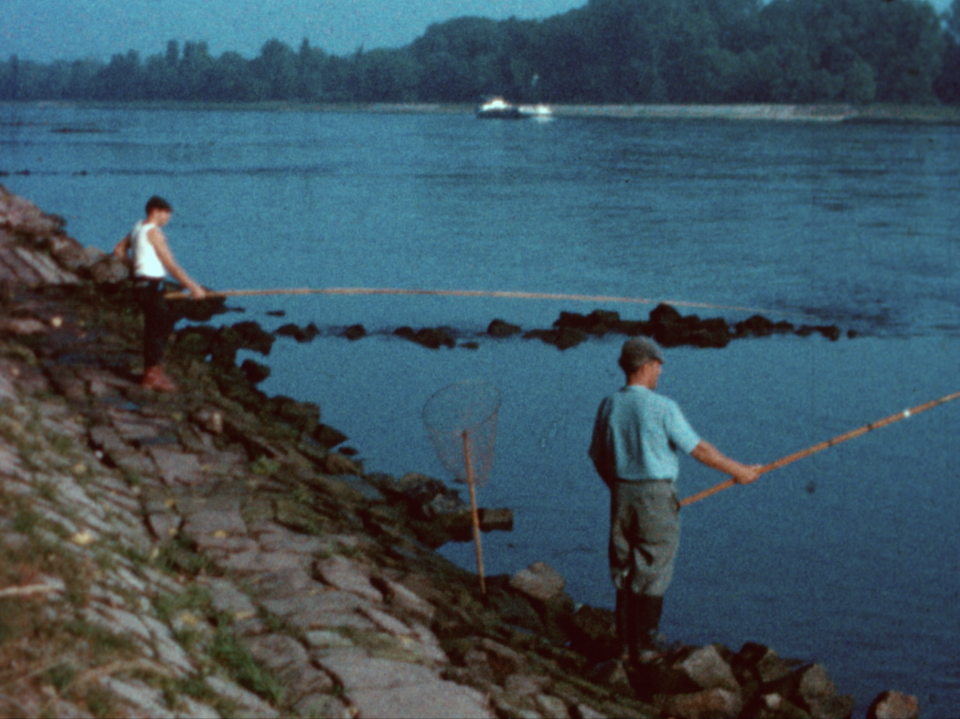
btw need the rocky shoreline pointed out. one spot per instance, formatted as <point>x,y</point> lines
<point>218,552</point>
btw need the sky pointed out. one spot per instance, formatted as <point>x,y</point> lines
<point>47,30</point>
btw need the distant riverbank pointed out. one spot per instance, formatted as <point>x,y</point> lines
<point>839,112</point>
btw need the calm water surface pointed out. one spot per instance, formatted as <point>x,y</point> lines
<point>850,557</point>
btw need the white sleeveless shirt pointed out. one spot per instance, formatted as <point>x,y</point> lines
<point>145,260</point>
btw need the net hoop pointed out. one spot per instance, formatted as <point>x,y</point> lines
<point>461,423</point>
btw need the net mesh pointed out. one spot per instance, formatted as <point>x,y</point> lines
<point>461,422</point>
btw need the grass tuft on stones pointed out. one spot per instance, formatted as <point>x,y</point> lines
<point>227,650</point>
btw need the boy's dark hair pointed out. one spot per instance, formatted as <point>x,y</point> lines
<point>158,203</point>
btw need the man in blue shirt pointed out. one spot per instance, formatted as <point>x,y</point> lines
<point>637,437</point>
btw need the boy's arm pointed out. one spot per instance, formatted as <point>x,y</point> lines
<point>122,251</point>
<point>159,243</point>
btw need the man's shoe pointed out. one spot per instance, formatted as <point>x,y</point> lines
<point>156,379</point>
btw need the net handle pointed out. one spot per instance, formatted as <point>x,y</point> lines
<point>474,512</point>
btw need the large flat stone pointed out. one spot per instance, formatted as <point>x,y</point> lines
<point>708,670</point>
<point>225,545</point>
<point>127,622</point>
<point>131,426</point>
<point>177,467</point>
<point>283,583</point>
<point>540,581</point>
<point>432,700</point>
<point>355,670</point>
<point>326,639</point>
<point>107,440</point>
<point>163,524</point>
<point>248,704</point>
<point>277,652</point>
<point>7,388</point>
<point>258,562</point>
<point>212,521</point>
<point>340,572</point>
<point>291,542</point>
<point>169,651</point>
<point>322,706</point>
<point>226,598</point>
<point>332,620</point>
<point>705,704</point>
<point>408,601</point>
<point>386,622</point>
<point>223,464</point>
<point>146,700</point>
<point>322,610</point>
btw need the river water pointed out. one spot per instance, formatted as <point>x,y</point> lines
<point>850,557</point>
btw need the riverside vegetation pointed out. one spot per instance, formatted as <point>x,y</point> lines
<point>608,51</point>
<point>210,553</point>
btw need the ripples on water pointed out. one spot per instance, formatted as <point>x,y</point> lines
<point>853,225</point>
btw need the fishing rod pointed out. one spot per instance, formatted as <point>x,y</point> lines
<point>710,491</point>
<point>173,295</point>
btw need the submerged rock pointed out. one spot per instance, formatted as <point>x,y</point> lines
<point>430,337</point>
<point>671,329</point>
<point>831,332</point>
<point>355,332</point>
<point>562,338</point>
<point>500,328</point>
<point>598,322</point>
<point>760,326</point>
<point>300,334</point>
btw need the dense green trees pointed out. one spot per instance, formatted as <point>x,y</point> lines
<point>608,51</point>
<point>947,86</point>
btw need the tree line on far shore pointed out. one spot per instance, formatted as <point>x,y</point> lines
<point>609,51</point>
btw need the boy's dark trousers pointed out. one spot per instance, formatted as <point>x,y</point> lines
<point>157,322</point>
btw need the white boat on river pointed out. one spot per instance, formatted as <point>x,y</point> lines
<point>497,108</point>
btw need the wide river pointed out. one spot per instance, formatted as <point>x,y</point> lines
<point>850,557</point>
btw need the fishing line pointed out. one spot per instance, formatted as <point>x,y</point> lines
<point>503,294</point>
<point>905,414</point>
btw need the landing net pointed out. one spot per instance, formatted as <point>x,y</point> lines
<point>461,422</point>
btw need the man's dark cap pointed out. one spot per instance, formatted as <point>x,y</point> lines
<point>638,351</point>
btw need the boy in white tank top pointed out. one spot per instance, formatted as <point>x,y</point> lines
<point>150,262</point>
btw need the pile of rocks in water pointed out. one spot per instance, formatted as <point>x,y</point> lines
<point>665,324</point>
<point>208,553</point>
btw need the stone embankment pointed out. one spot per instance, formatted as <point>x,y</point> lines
<point>209,553</point>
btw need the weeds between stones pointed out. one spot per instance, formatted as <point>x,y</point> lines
<point>99,701</point>
<point>177,555</point>
<point>227,650</point>
<point>193,598</point>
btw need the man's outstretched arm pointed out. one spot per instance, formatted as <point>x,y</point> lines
<point>707,454</point>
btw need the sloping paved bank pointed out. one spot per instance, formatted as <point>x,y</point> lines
<point>206,554</point>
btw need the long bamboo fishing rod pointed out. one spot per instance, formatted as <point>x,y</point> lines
<point>710,491</point>
<point>504,294</point>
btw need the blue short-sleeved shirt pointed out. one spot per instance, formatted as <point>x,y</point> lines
<point>637,435</point>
